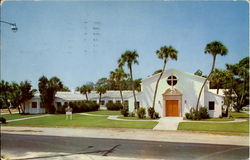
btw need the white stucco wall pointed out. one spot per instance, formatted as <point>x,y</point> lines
<point>218,103</point>
<point>29,109</point>
<point>189,85</point>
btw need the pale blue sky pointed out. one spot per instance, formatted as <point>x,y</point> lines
<point>57,38</point>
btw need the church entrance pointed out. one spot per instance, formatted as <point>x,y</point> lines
<point>172,100</point>
<point>172,108</point>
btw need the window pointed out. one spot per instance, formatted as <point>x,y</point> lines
<point>118,101</point>
<point>172,80</point>
<point>138,104</point>
<point>34,105</point>
<point>211,105</point>
<point>126,102</point>
<point>110,101</point>
<point>102,102</point>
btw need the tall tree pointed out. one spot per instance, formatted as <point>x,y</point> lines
<point>240,82</point>
<point>137,83</point>
<point>48,88</point>
<point>26,93</point>
<point>15,96</point>
<point>85,89</point>
<point>214,48</point>
<point>20,93</point>
<point>130,58</point>
<point>118,76</point>
<point>217,79</point>
<point>165,53</point>
<point>102,82</point>
<point>101,90</point>
<point>4,94</point>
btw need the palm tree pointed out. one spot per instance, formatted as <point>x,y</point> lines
<point>101,90</point>
<point>48,88</point>
<point>214,48</point>
<point>164,53</point>
<point>26,93</point>
<point>118,76</point>
<point>129,58</point>
<point>85,89</point>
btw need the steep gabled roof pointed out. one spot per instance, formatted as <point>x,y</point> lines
<point>174,70</point>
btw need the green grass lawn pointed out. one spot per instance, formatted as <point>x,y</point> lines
<point>81,121</point>
<point>105,112</point>
<point>240,115</point>
<point>242,127</point>
<point>219,119</point>
<point>136,118</point>
<point>239,127</point>
<point>17,116</point>
<point>214,119</point>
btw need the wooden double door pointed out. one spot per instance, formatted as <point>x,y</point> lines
<point>172,108</point>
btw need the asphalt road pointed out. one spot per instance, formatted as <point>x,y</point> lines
<point>56,147</point>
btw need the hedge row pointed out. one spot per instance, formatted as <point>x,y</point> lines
<point>114,106</point>
<point>81,106</point>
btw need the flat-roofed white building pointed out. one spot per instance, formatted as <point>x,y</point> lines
<point>34,105</point>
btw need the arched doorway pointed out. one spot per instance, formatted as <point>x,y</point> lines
<point>172,99</point>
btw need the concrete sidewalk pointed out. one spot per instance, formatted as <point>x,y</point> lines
<point>168,123</point>
<point>20,119</point>
<point>133,134</point>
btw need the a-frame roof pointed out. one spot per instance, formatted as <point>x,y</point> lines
<point>175,70</point>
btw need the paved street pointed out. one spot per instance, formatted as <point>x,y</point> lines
<point>20,146</point>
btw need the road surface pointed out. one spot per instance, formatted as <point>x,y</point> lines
<point>21,146</point>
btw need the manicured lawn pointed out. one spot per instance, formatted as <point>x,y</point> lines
<point>242,127</point>
<point>105,112</point>
<point>219,119</point>
<point>240,115</point>
<point>81,121</point>
<point>214,119</point>
<point>17,116</point>
<point>136,118</point>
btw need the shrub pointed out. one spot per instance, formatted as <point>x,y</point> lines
<point>131,114</point>
<point>51,109</point>
<point>114,106</point>
<point>152,114</point>
<point>84,106</point>
<point>61,109</point>
<point>188,115</point>
<point>125,112</point>
<point>2,120</point>
<point>141,113</point>
<point>156,115</point>
<point>202,113</point>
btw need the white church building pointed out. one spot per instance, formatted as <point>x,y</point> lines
<point>177,94</point>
